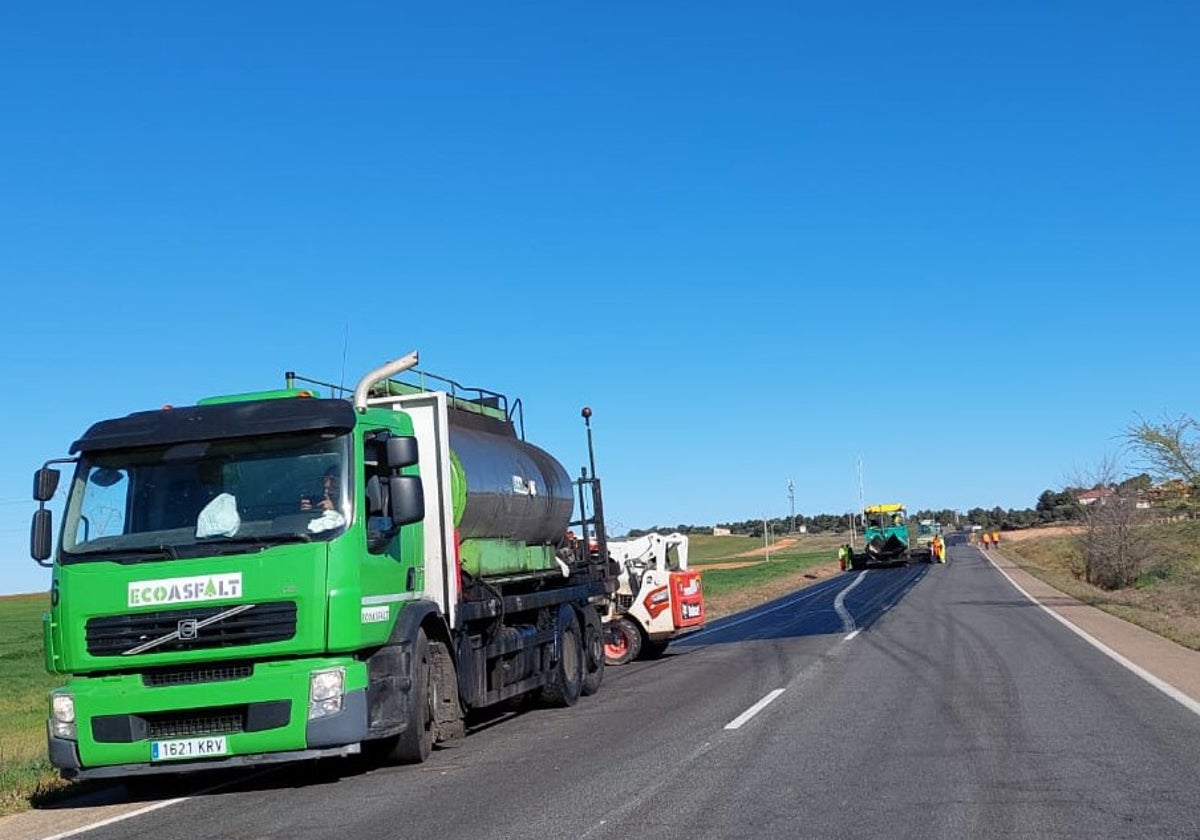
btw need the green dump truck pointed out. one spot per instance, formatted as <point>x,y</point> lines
<point>276,576</point>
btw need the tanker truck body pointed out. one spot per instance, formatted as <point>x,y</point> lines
<point>279,576</point>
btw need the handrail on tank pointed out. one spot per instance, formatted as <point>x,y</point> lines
<point>516,409</point>
<point>458,393</point>
<point>381,376</point>
<point>469,398</point>
<point>378,374</point>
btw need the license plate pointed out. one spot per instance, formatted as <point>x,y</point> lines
<point>187,748</point>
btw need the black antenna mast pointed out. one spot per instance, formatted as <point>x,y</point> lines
<point>345,346</point>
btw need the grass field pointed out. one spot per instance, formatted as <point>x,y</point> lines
<point>754,580</point>
<point>706,550</point>
<point>24,767</point>
<point>702,549</point>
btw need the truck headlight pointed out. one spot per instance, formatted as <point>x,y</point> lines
<point>62,715</point>
<point>325,691</point>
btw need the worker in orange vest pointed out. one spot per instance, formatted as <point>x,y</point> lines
<point>995,538</point>
<point>939,550</point>
<point>987,538</point>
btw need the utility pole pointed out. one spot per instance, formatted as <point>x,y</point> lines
<point>792,502</point>
<point>766,539</point>
<point>862,502</point>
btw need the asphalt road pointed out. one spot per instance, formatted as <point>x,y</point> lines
<point>927,701</point>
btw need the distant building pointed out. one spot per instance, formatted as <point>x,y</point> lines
<point>1173,490</point>
<point>1099,494</point>
<point>720,532</point>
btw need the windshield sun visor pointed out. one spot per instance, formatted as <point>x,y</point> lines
<point>215,422</point>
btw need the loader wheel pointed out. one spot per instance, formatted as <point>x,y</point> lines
<point>593,652</point>
<point>566,682</point>
<point>622,643</point>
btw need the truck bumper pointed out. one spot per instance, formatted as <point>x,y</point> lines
<point>263,718</point>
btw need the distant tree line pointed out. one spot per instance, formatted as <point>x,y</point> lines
<point>1053,506</point>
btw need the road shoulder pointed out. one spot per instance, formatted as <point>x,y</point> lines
<point>1168,661</point>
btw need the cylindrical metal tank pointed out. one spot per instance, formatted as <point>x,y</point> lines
<point>505,488</point>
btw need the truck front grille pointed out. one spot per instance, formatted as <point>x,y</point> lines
<point>191,723</point>
<point>197,675</point>
<point>261,623</point>
<point>194,723</point>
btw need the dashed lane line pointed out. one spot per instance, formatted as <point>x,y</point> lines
<point>737,722</point>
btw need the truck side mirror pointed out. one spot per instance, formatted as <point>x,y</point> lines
<point>45,482</point>
<point>39,536</point>
<point>401,452</point>
<point>407,497</point>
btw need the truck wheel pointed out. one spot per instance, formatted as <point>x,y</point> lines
<point>622,643</point>
<point>593,656</point>
<point>566,681</point>
<point>413,745</point>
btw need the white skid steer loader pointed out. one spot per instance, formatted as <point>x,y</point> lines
<point>657,599</point>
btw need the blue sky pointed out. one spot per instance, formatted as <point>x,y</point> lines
<point>760,239</point>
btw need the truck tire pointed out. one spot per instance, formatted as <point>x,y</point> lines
<point>566,682</point>
<point>593,656</point>
<point>413,745</point>
<point>623,642</point>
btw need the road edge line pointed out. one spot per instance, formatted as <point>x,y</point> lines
<point>1162,685</point>
<point>118,818</point>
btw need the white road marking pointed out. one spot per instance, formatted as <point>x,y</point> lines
<point>156,806</point>
<point>118,818</point>
<point>839,604</point>
<point>753,710</point>
<point>850,636</point>
<point>1165,687</point>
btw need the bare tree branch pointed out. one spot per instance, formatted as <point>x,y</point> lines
<point>1169,449</point>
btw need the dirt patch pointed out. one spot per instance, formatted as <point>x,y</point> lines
<point>781,544</point>
<point>1038,533</point>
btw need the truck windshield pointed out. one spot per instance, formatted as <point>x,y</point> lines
<point>206,497</point>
